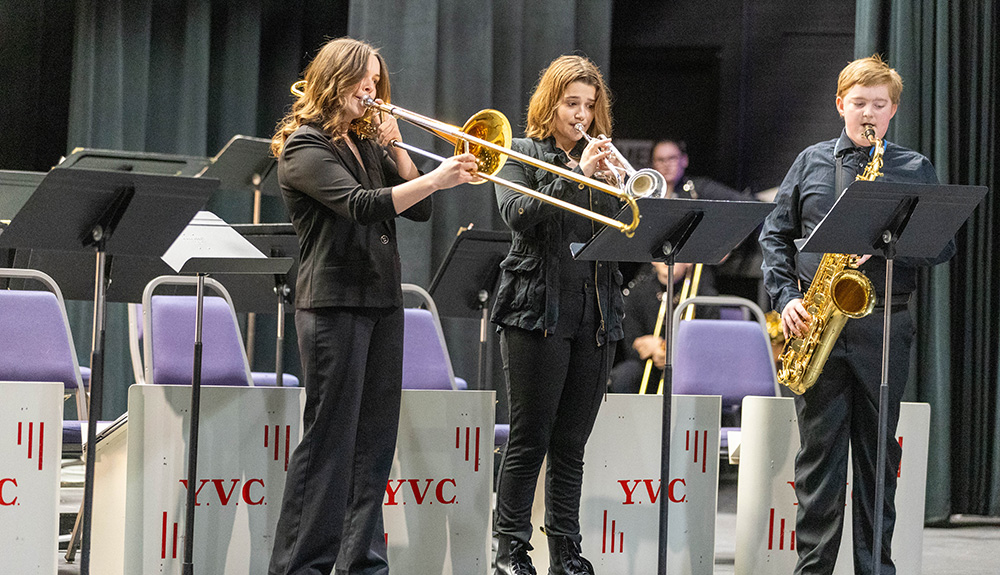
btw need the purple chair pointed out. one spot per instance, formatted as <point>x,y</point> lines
<point>168,342</point>
<point>426,363</point>
<point>168,355</point>
<point>38,346</point>
<point>730,358</point>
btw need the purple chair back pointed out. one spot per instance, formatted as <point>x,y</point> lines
<point>35,344</point>
<point>731,358</point>
<point>172,332</point>
<point>424,363</point>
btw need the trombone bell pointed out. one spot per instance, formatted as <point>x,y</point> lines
<point>490,126</point>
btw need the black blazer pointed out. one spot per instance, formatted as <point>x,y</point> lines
<point>344,219</point>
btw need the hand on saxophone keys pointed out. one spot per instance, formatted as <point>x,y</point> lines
<point>795,319</point>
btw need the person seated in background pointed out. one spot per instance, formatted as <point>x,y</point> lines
<point>643,297</point>
<point>669,157</point>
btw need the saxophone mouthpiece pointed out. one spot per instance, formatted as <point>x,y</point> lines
<point>870,134</point>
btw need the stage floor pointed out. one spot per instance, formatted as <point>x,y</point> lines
<point>968,548</point>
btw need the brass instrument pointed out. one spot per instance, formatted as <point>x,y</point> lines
<point>644,183</point>
<point>689,289</point>
<point>838,292</point>
<point>487,136</point>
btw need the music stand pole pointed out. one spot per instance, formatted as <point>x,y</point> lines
<point>96,399</point>
<point>192,475</point>
<point>282,290</point>
<point>883,401</point>
<point>665,428</point>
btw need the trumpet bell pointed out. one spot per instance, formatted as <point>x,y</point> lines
<point>493,127</point>
<point>646,183</point>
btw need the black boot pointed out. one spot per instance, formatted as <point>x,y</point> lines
<point>512,557</point>
<point>565,558</point>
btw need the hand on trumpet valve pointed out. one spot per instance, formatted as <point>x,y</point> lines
<point>595,157</point>
<point>460,169</point>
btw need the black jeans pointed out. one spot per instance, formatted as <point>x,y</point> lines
<point>331,511</point>
<point>841,411</point>
<point>555,386</point>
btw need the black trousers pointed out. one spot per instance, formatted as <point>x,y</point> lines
<point>555,386</point>
<point>841,411</point>
<point>331,512</point>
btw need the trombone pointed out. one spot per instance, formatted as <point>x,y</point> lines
<point>644,183</point>
<point>487,135</point>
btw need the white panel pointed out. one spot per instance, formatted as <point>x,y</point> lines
<point>766,504</point>
<point>619,512</point>
<point>30,450</point>
<point>437,502</point>
<point>437,505</point>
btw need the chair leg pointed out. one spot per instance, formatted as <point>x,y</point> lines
<point>71,548</point>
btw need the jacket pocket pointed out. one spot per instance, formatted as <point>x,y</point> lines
<point>520,282</point>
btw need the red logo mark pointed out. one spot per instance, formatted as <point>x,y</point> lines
<point>606,536</point>
<point>277,442</point>
<point>468,444</point>
<point>633,494</point>
<point>30,440</point>
<point>704,447</point>
<point>443,491</point>
<point>3,500</point>
<point>899,469</point>
<point>226,495</point>
<point>781,535</point>
<point>163,539</point>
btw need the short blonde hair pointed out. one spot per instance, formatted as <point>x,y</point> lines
<point>552,84</point>
<point>336,69</point>
<point>871,71</point>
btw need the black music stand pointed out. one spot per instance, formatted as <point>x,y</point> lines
<point>256,293</point>
<point>465,283</point>
<point>209,246</point>
<point>137,162</point>
<point>243,163</point>
<point>871,216</point>
<point>109,212</point>
<point>675,230</point>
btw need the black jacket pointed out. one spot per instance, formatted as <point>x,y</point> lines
<point>528,296</point>
<point>344,219</point>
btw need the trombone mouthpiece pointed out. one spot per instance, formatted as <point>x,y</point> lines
<point>368,101</point>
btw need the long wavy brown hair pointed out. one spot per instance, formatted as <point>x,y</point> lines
<point>562,72</point>
<point>330,79</point>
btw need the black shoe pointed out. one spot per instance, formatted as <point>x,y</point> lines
<point>565,558</point>
<point>512,557</point>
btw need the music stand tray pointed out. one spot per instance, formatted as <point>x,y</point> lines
<point>137,162</point>
<point>871,216</point>
<point>244,163</point>
<point>675,230</point>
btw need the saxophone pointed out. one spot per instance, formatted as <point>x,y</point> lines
<point>838,292</point>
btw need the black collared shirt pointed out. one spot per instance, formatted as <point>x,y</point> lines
<point>808,193</point>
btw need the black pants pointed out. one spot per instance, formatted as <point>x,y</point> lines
<point>841,410</point>
<point>555,385</point>
<point>332,506</point>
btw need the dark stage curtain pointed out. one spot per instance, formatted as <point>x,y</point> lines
<point>947,53</point>
<point>184,76</point>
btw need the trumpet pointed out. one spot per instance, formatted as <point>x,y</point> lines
<point>644,183</point>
